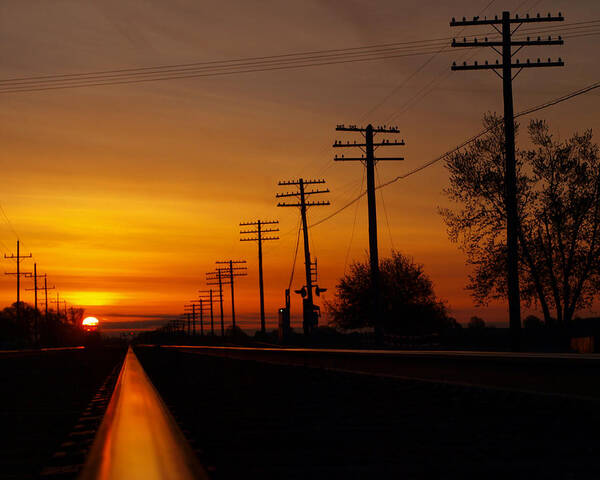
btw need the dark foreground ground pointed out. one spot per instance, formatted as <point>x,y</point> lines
<point>257,420</point>
<point>41,397</point>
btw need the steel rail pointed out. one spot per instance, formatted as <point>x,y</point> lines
<point>405,353</point>
<point>138,437</point>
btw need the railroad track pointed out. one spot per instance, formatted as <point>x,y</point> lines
<point>275,414</point>
<point>560,374</point>
<point>138,437</point>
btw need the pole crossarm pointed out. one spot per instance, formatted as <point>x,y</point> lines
<point>256,239</point>
<point>378,129</point>
<point>516,65</point>
<point>263,230</point>
<point>362,159</point>
<point>513,43</point>
<point>306,204</point>
<point>261,222</point>
<point>498,21</point>
<point>339,144</point>
<point>299,181</point>
<point>295,194</point>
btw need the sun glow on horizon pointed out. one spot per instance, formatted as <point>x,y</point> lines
<point>94,299</point>
<point>90,323</point>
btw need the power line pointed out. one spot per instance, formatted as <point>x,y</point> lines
<point>238,66</point>
<point>425,165</point>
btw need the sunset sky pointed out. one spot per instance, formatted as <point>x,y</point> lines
<point>127,194</point>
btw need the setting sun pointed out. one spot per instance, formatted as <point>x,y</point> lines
<point>90,322</point>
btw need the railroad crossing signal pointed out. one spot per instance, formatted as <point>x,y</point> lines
<point>308,307</point>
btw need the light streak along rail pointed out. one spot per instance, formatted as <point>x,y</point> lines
<point>138,437</point>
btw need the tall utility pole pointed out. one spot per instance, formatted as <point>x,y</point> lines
<point>259,238</point>
<point>229,273</point>
<point>193,306</point>
<point>18,258</point>
<point>216,278</point>
<point>308,308</point>
<point>369,160</point>
<point>504,27</point>
<point>46,288</point>
<point>36,311</point>
<point>57,301</point>
<point>208,296</point>
<point>199,308</point>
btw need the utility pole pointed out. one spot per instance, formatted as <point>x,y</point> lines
<point>506,44</point>
<point>230,272</point>
<point>201,305</point>
<point>209,297</point>
<point>259,232</point>
<point>58,302</point>
<point>192,305</point>
<point>18,258</point>
<point>36,311</point>
<point>216,278</point>
<point>369,160</point>
<point>46,288</point>
<point>308,308</point>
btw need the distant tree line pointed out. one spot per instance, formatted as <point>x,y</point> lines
<point>31,327</point>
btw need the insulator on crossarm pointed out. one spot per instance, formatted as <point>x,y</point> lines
<point>538,15</point>
<point>517,16</point>
<point>486,62</point>
<point>526,15</point>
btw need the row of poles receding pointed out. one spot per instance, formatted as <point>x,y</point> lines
<point>19,258</point>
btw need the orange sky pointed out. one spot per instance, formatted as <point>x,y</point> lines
<point>126,195</point>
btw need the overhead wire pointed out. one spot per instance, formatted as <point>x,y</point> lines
<point>250,64</point>
<point>295,254</point>
<point>353,225</point>
<point>425,165</point>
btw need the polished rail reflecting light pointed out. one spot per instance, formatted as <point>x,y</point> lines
<point>138,437</point>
